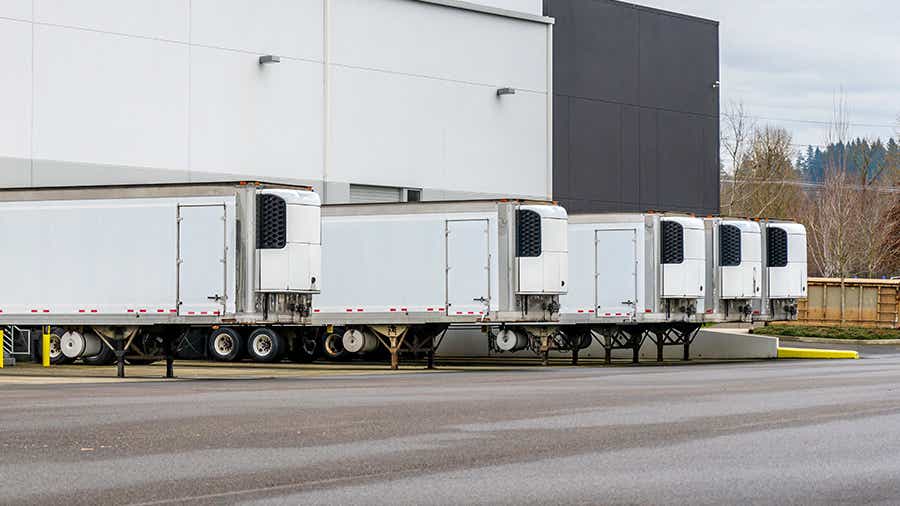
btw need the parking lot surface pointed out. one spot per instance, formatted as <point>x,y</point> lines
<point>793,432</point>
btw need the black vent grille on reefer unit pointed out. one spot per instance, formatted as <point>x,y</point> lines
<point>776,247</point>
<point>271,222</point>
<point>528,233</point>
<point>672,242</point>
<point>729,245</point>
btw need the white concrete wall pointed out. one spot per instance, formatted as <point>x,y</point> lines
<point>387,92</point>
<point>710,343</point>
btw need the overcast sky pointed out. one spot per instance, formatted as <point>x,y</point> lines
<point>787,59</point>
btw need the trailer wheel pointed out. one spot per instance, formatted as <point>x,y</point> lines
<point>105,357</point>
<point>56,353</point>
<point>225,344</point>
<point>265,345</point>
<point>333,346</point>
<point>586,341</point>
<point>305,347</point>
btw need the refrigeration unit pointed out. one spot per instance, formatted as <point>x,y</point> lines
<point>633,276</point>
<point>784,279</point>
<point>733,270</point>
<point>400,274</point>
<point>120,271</point>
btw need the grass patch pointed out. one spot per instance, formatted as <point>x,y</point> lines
<point>859,333</point>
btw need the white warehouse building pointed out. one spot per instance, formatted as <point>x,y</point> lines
<point>365,99</point>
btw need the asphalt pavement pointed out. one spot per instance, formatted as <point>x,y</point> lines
<point>786,432</point>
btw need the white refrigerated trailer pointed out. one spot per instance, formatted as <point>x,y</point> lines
<point>127,268</point>
<point>400,274</point>
<point>632,276</point>
<point>785,274</point>
<point>733,269</point>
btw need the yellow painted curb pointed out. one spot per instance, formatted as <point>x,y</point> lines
<point>815,353</point>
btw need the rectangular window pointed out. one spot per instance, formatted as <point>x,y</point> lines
<point>413,195</point>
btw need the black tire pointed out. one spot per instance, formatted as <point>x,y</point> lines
<point>147,345</point>
<point>333,347</point>
<point>305,347</point>
<point>105,357</point>
<point>265,345</point>
<point>56,355</point>
<point>587,339</point>
<point>225,344</point>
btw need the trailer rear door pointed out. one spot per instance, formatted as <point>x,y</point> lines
<point>616,272</point>
<point>468,267</point>
<point>201,260</point>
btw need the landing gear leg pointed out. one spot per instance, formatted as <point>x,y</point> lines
<point>429,361</point>
<point>545,351</point>
<point>170,357</point>
<point>120,357</point>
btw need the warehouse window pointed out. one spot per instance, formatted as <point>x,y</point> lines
<point>528,233</point>
<point>672,243</point>
<point>729,245</point>
<point>413,195</point>
<point>271,222</point>
<point>776,247</point>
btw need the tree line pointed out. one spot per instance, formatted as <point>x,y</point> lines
<point>847,194</point>
<point>812,162</point>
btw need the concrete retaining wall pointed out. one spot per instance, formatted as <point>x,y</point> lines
<point>710,343</point>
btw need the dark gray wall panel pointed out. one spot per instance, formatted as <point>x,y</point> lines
<point>649,157</point>
<point>596,37</point>
<point>629,167</point>
<point>561,171</point>
<point>635,110</point>
<point>680,164</point>
<point>678,64</point>
<point>594,149</point>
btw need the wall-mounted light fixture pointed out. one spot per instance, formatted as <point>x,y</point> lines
<point>269,58</point>
<point>715,84</point>
<point>506,91</point>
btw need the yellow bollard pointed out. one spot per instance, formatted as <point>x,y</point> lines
<point>2,349</point>
<point>45,347</point>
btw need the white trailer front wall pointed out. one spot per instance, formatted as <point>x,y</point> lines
<point>109,257</point>
<point>744,281</point>
<point>790,281</point>
<point>382,92</point>
<point>687,278</point>
<point>397,264</point>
